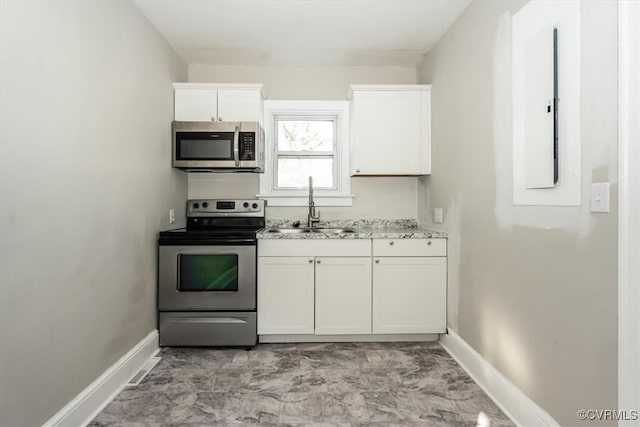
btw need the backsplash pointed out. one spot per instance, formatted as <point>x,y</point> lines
<point>375,197</point>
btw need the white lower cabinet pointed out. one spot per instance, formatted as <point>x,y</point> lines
<point>285,295</point>
<point>409,295</point>
<point>331,287</point>
<point>314,286</point>
<point>343,295</point>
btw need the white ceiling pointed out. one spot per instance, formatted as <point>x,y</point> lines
<point>302,32</point>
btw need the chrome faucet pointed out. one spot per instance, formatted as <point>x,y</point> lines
<point>312,217</point>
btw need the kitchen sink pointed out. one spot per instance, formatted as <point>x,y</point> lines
<point>310,230</point>
<point>288,230</point>
<point>333,230</point>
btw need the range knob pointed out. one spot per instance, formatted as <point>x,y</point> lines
<point>205,205</point>
<point>196,206</point>
<point>245,204</point>
<point>254,206</point>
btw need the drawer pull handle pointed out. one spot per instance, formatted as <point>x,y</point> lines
<point>207,320</point>
<point>429,242</point>
<point>391,243</point>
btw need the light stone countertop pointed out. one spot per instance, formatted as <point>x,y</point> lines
<point>364,229</point>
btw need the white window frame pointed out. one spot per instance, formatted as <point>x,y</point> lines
<point>340,195</point>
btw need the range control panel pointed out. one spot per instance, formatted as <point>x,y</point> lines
<point>225,207</point>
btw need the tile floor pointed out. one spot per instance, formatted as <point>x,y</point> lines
<point>336,384</point>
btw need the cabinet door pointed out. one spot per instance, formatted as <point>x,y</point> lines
<point>409,295</point>
<point>343,295</point>
<point>285,295</point>
<point>390,131</point>
<point>239,105</point>
<point>195,105</point>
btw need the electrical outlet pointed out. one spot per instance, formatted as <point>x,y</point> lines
<point>437,215</point>
<point>172,216</point>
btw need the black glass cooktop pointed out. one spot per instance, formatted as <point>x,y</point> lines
<point>184,236</point>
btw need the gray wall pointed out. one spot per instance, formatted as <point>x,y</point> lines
<point>532,289</point>
<point>85,185</point>
<point>393,197</point>
<point>324,83</point>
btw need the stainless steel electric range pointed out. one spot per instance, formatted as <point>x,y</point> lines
<point>207,275</point>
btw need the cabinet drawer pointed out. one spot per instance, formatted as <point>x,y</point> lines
<point>207,329</point>
<point>314,247</point>
<point>409,247</point>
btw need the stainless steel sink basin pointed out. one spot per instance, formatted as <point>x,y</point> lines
<point>288,230</point>
<point>333,230</point>
<point>310,230</point>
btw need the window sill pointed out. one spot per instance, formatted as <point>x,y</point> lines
<point>287,200</point>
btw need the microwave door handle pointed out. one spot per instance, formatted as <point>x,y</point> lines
<point>236,148</point>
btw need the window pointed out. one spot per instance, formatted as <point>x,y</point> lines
<point>305,146</point>
<point>303,139</point>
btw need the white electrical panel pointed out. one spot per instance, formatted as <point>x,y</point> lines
<point>547,158</point>
<point>539,110</point>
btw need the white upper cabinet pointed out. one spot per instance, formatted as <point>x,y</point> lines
<point>198,102</point>
<point>240,105</point>
<point>195,105</point>
<point>390,129</point>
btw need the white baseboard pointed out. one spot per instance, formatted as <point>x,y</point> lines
<point>288,338</point>
<point>513,402</point>
<point>86,405</point>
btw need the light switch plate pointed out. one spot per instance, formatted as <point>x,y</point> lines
<point>172,216</point>
<point>437,215</point>
<point>600,197</point>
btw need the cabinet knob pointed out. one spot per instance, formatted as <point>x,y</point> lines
<point>310,261</point>
<point>219,119</point>
<point>318,261</point>
<point>357,170</point>
<point>377,261</point>
<point>428,242</point>
<point>213,119</point>
<point>391,243</point>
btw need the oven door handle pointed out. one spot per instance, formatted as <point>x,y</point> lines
<point>236,147</point>
<point>207,320</point>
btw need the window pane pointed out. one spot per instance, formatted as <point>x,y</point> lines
<point>305,135</point>
<point>295,172</point>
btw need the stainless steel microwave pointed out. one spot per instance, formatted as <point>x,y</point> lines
<point>218,146</point>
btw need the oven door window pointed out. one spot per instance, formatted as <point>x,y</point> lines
<point>204,145</point>
<point>208,273</point>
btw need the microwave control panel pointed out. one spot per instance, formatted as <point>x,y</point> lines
<point>247,145</point>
